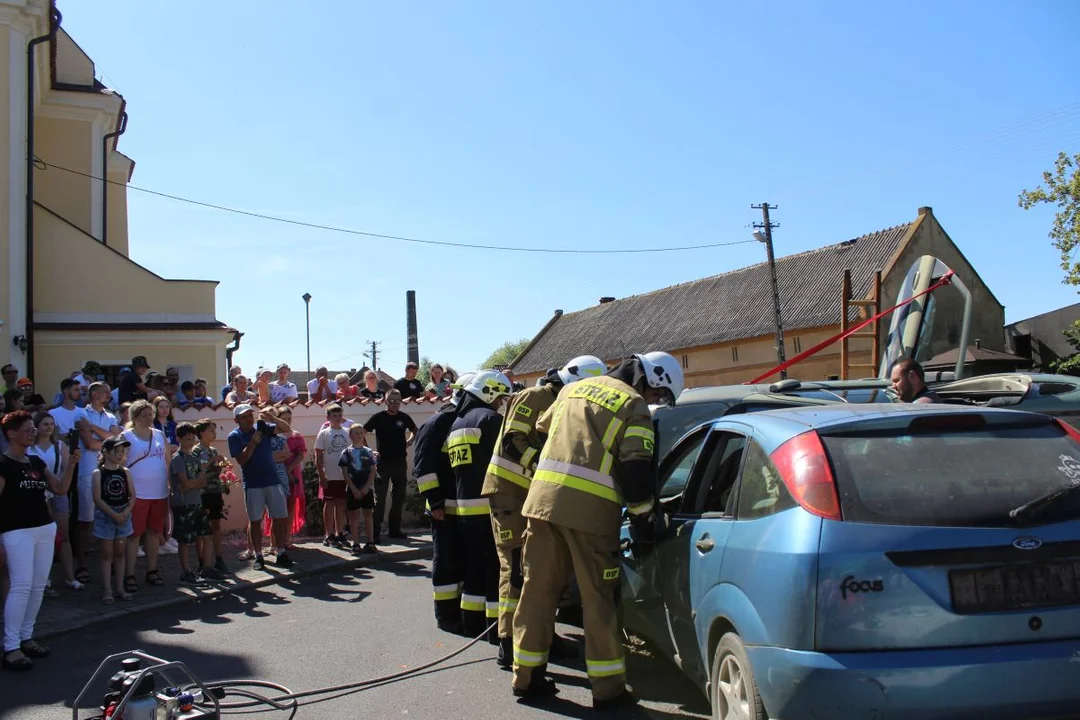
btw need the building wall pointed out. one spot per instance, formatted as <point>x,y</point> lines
<point>12,184</point>
<point>117,238</point>
<point>1046,335</point>
<point>61,352</point>
<point>69,143</point>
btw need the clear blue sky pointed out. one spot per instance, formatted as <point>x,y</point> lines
<point>567,124</point>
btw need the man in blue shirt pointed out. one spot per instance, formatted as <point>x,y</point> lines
<point>249,445</point>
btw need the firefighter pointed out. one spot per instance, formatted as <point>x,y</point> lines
<point>469,446</point>
<point>597,457</point>
<point>435,481</point>
<point>507,484</point>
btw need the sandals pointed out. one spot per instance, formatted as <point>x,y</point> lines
<point>82,575</point>
<point>107,599</point>
<point>34,649</point>
<point>19,664</point>
<point>130,585</point>
<point>153,577</point>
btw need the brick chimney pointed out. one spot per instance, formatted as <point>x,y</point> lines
<point>926,210</point>
<point>606,299</point>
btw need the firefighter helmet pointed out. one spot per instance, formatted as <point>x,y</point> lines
<point>663,371</point>
<point>580,368</point>
<point>488,386</point>
<point>459,386</point>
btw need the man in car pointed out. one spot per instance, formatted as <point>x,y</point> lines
<point>909,383</point>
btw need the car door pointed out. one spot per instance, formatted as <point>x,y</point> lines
<point>697,538</point>
<point>642,599</point>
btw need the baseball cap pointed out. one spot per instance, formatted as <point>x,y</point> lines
<point>241,409</point>
<point>24,381</point>
<point>140,361</point>
<point>114,442</point>
<point>283,366</point>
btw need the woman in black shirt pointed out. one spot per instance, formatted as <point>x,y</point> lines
<point>27,536</point>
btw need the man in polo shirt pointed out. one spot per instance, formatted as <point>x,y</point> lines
<point>249,445</point>
<point>394,433</point>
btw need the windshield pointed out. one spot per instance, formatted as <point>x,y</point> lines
<point>962,478</point>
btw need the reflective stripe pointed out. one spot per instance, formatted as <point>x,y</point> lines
<point>424,483</point>
<point>464,435</point>
<point>641,432</point>
<point>446,592</point>
<point>605,668</point>
<point>520,427</point>
<point>606,463</point>
<point>612,430</point>
<point>607,397</point>
<point>524,658</point>
<point>492,609</point>
<point>577,477</point>
<point>477,506</point>
<point>640,509</point>
<point>450,502</point>
<point>473,602</point>
<point>508,470</point>
<point>507,605</point>
<point>527,457</point>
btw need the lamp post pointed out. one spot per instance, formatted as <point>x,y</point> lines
<point>766,239</point>
<point>307,313</point>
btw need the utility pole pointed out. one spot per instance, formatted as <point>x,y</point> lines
<point>307,314</point>
<point>373,354</point>
<point>767,226</point>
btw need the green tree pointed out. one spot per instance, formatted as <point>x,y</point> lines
<point>423,373</point>
<point>505,353</point>
<point>1061,188</point>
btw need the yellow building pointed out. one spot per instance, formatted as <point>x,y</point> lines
<point>71,294</point>
<point>722,328</point>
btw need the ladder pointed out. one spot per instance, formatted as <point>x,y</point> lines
<point>872,306</point>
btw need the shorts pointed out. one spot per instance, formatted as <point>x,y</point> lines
<point>365,503</point>
<point>190,523</point>
<point>60,504</point>
<point>105,528</point>
<point>270,499</point>
<point>214,505</point>
<point>149,515</point>
<point>87,511</point>
<point>335,490</point>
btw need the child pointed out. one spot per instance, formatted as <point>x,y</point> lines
<point>329,444</point>
<point>114,499</point>
<point>358,464</point>
<point>187,478</point>
<point>213,501</point>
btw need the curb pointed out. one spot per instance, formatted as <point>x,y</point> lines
<point>187,596</point>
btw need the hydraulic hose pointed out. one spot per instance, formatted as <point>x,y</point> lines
<point>291,701</point>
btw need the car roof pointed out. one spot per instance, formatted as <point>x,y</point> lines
<point>736,393</point>
<point>797,420</point>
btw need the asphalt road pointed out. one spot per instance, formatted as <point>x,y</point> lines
<point>328,630</point>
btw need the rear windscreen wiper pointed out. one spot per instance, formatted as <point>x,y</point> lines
<point>1029,509</point>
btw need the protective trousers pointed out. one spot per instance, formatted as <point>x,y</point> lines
<point>508,527</point>
<point>480,591</point>
<point>446,571</point>
<point>551,553</point>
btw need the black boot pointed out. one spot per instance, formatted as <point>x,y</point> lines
<point>561,649</point>
<point>540,687</point>
<point>620,701</point>
<point>506,653</point>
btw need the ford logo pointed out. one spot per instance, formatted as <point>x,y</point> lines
<point>1027,543</point>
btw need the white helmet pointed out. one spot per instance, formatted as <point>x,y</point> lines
<point>580,368</point>
<point>459,386</point>
<point>488,386</point>
<point>663,371</point>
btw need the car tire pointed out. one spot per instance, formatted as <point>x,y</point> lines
<point>733,691</point>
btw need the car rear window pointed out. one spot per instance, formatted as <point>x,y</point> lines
<point>953,478</point>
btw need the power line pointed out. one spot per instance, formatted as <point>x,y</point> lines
<point>348,231</point>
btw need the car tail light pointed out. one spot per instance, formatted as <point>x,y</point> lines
<point>1073,432</point>
<point>804,467</point>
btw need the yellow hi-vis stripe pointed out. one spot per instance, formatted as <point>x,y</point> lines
<point>477,506</point>
<point>605,668</point>
<point>424,483</point>
<point>508,605</point>
<point>524,658</point>
<point>577,477</point>
<point>446,592</point>
<point>508,470</point>
<point>518,426</point>
<point>475,603</point>
<point>492,609</point>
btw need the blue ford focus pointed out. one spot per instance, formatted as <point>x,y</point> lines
<point>869,561</point>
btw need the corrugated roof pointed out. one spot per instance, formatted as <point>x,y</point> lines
<point>731,306</point>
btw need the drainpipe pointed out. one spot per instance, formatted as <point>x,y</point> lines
<point>230,350</point>
<point>54,26</point>
<point>105,176</point>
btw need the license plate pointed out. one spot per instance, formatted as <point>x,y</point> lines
<point>1015,586</point>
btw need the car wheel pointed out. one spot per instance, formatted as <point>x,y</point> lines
<point>734,693</point>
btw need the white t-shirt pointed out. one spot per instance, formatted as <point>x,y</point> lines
<point>148,466</point>
<point>332,442</point>
<point>66,419</point>
<point>313,385</point>
<point>104,420</point>
<point>281,393</point>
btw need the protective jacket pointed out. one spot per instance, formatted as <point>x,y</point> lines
<point>596,446</point>
<point>469,447</point>
<point>434,475</point>
<point>515,459</point>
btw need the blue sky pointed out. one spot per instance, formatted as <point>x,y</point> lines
<point>569,125</point>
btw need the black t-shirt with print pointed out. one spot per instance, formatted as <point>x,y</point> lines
<point>22,503</point>
<point>372,395</point>
<point>390,432</point>
<point>409,388</point>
